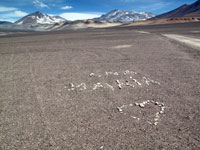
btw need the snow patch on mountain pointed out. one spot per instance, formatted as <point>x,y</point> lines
<point>39,18</point>
<point>125,16</point>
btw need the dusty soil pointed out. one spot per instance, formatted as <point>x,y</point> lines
<point>110,89</point>
<point>166,21</point>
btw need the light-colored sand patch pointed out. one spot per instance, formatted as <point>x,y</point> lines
<point>105,25</point>
<point>82,25</point>
<point>3,33</point>
<point>122,46</point>
<point>143,32</point>
<point>192,42</point>
<point>195,31</point>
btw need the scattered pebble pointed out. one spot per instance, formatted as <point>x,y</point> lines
<point>142,105</point>
<point>130,104</point>
<point>126,72</point>
<point>72,87</point>
<point>110,86</point>
<point>132,72</point>
<point>129,84</point>
<point>129,72</point>
<point>98,85</point>
<point>136,81</point>
<point>148,81</point>
<point>119,84</point>
<point>149,122</point>
<point>117,81</point>
<point>112,73</point>
<point>135,118</point>
<point>91,74</point>
<point>162,109</point>
<point>155,123</point>
<point>82,86</point>
<point>119,109</point>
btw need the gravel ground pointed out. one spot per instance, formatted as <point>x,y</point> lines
<point>109,89</point>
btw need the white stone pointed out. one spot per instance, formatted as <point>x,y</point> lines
<point>119,109</point>
<point>91,74</point>
<point>141,105</point>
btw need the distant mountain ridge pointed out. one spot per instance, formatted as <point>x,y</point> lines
<point>39,18</point>
<point>5,22</point>
<point>185,10</point>
<point>125,16</point>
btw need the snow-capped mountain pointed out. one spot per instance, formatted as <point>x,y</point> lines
<point>125,16</point>
<point>39,18</point>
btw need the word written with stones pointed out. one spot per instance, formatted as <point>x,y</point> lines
<point>142,106</point>
<point>114,81</point>
<point>122,80</point>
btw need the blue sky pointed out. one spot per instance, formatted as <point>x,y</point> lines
<point>11,10</point>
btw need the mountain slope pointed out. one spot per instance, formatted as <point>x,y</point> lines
<point>125,16</point>
<point>183,11</point>
<point>39,18</point>
<point>194,14</point>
